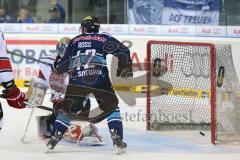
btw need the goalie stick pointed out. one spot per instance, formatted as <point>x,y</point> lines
<point>27,126</point>
<point>30,117</point>
<point>40,107</point>
<point>32,106</point>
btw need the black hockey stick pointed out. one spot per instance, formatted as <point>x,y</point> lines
<point>40,107</point>
<point>27,57</point>
<point>43,108</point>
<point>48,108</point>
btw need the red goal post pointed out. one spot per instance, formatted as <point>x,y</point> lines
<point>186,99</point>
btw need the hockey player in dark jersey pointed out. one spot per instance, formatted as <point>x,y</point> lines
<point>85,58</point>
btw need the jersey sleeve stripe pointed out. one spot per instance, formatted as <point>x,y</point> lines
<point>6,70</point>
<point>4,58</point>
<point>5,64</point>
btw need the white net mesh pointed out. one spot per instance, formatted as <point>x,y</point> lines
<point>227,98</point>
<point>186,105</point>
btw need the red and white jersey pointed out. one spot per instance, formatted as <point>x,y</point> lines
<point>57,83</point>
<point>5,64</point>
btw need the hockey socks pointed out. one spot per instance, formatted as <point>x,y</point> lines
<point>60,126</point>
<point>116,131</point>
<point>115,122</point>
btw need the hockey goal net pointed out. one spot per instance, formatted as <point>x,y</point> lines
<point>193,86</point>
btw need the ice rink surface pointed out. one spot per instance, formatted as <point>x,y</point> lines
<point>142,144</point>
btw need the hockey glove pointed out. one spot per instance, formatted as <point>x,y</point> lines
<point>54,66</point>
<point>124,73</point>
<point>14,97</point>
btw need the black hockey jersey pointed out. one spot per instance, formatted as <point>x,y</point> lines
<point>86,55</point>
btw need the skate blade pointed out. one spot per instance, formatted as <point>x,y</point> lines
<point>48,150</point>
<point>120,151</point>
<point>23,139</point>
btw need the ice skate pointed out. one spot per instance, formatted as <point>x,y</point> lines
<point>54,140</point>
<point>118,144</point>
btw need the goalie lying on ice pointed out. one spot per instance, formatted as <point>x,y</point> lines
<point>83,133</point>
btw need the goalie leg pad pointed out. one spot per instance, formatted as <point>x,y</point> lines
<point>77,131</point>
<point>83,133</point>
<point>74,133</point>
<point>91,141</point>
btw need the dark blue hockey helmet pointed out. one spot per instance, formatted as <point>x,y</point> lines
<point>92,24</point>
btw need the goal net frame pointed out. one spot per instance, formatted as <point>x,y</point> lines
<point>212,81</point>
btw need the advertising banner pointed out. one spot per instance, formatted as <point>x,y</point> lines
<point>24,68</point>
<point>39,28</point>
<point>71,30</point>
<point>145,12</point>
<point>233,31</point>
<point>180,30</point>
<point>174,12</point>
<point>145,29</point>
<point>36,47</point>
<point>191,12</point>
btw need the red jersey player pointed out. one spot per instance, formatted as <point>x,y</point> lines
<point>11,93</point>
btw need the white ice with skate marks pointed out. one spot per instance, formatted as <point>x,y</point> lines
<point>142,144</point>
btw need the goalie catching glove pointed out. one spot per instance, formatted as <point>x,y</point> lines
<point>61,48</point>
<point>13,95</point>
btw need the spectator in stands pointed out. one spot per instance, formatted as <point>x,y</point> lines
<point>62,13</point>
<point>23,16</point>
<point>4,17</point>
<point>54,16</point>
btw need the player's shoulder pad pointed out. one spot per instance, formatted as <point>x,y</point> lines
<point>75,39</point>
<point>76,36</point>
<point>106,34</point>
